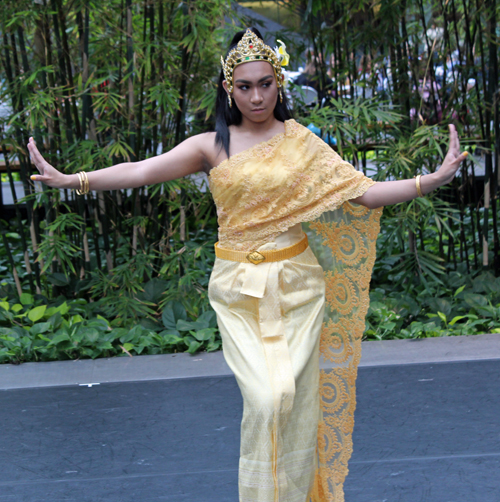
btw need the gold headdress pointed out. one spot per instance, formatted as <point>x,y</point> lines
<point>252,48</point>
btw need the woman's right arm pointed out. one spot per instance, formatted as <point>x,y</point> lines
<point>186,158</point>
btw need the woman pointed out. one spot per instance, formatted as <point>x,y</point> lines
<point>268,175</point>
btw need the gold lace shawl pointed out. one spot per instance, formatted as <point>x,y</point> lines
<point>292,178</point>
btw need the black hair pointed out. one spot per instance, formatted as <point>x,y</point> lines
<point>226,116</point>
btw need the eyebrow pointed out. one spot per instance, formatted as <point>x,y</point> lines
<point>248,81</point>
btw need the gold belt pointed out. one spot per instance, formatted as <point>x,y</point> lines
<point>257,257</point>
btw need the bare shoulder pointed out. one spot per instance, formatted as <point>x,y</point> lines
<point>212,153</point>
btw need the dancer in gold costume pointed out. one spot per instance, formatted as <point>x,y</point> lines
<point>297,232</point>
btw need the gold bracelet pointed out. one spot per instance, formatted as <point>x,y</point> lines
<point>87,185</point>
<point>417,183</point>
<point>80,191</point>
<point>84,183</point>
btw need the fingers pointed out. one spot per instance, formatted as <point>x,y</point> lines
<point>454,165</point>
<point>37,177</point>
<point>36,156</point>
<point>454,145</point>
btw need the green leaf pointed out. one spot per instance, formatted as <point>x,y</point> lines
<point>63,337</point>
<point>151,325</point>
<point>37,313</point>
<point>100,317</point>
<point>206,320</point>
<point>172,312</point>
<point>105,346</point>
<point>117,333</point>
<point>91,335</point>
<point>57,279</point>
<point>99,324</point>
<point>203,334</point>
<point>5,305</point>
<point>63,308</point>
<point>183,325</point>
<point>193,347</point>
<point>76,319</point>
<point>457,318</point>
<point>442,317</point>
<point>475,301</point>
<point>40,327</point>
<point>26,299</point>
<point>172,339</point>
<point>212,346</point>
<point>16,308</point>
<point>459,290</point>
<point>154,289</point>
<point>133,335</point>
<point>166,332</point>
<point>208,317</point>
<point>128,346</point>
<point>442,305</point>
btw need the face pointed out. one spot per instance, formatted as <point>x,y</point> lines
<point>254,90</point>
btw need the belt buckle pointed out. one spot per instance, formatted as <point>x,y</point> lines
<point>255,257</point>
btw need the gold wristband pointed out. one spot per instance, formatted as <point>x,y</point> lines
<point>80,179</point>
<point>84,183</point>
<point>417,183</point>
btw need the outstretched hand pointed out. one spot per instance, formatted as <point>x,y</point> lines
<point>48,174</point>
<point>453,158</point>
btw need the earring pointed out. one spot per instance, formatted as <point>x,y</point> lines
<point>230,101</point>
<point>281,96</point>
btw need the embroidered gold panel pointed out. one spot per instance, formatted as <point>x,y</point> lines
<point>344,244</point>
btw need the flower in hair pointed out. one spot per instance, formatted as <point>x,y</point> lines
<point>283,56</point>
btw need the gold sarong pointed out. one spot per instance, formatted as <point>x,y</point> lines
<point>273,317</point>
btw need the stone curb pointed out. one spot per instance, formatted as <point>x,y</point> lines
<point>89,372</point>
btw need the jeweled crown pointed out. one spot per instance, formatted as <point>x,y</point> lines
<point>250,48</point>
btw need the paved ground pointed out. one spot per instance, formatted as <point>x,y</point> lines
<point>427,427</point>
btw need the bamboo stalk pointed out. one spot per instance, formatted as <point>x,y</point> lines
<point>96,226</point>
<point>141,86</point>
<point>494,97</point>
<point>11,261</point>
<point>17,104</point>
<point>84,44</point>
<point>130,71</point>
<point>101,210</point>
<point>20,227</point>
<point>34,243</point>
<point>181,112</point>
<point>69,72</point>
<point>485,221</point>
<point>152,42</point>
<point>62,73</point>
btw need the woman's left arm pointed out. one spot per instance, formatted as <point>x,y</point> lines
<point>392,192</point>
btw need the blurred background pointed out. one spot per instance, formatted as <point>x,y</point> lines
<point>101,82</point>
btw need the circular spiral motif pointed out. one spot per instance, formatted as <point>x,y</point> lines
<point>328,443</point>
<point>340,293</point>
<point>335,342</point>
<point>333,392</point>
<point>350,248</point>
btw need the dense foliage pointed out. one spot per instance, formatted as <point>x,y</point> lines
<point>126,272</point>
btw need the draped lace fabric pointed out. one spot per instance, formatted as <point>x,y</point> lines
<point>293,177</point>
<point>279,319</point>
<point>344,244</point>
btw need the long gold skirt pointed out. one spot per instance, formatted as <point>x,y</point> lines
<point>270,318</point>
